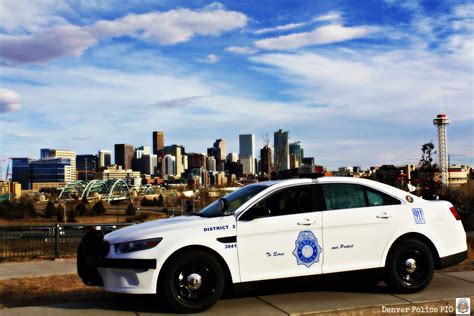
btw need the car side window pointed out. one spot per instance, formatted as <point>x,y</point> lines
<point>288,201</point>
<point>376,198</point>
<point>343,195</point>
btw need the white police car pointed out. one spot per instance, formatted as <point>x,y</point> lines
<point>278,229</point>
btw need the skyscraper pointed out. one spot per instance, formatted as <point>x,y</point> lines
<point>124,155</point>
<point>148,164</point>
<point>158,142</point>
<point>86,166</point>
<point>177,152</point>
<point>220,153</point>
<point>282,152</point>
<point>266,160</point>
<point>50,169</point>
<point>211,164</point>
<point>169,165</point>
<point>232,157</point>
<point>295,149</point>
<point>104,158</point>
<point>196,160</point>
<point>247,153</point>
<point>58,153</point>
<point>21,172</point>
<point>137,157</point>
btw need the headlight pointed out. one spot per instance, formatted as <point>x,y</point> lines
<point>137,245</point>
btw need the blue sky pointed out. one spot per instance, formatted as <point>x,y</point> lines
<point>358,83</point>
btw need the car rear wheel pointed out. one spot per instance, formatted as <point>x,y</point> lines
<point>409,267</point>
<point>192,281</point>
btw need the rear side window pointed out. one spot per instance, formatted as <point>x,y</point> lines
<point>344,195</point>
<point>376,198</point>
<point>339,196</point>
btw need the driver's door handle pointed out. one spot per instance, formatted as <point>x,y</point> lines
<point>306,222</point>
<point>383,216</point>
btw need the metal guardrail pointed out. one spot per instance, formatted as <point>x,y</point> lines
<point>45,240</point>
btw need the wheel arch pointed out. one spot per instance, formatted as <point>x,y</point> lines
<point>228,282</point>
<point>420,237</point>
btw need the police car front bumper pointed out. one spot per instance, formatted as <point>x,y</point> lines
<point>126,263</point>
<point>123,275</point>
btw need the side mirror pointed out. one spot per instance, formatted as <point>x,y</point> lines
<point>256,212</point>
<point>223,205</point>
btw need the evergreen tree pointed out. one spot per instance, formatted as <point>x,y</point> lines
<point>145,202</point>
<point>71,216</point>
<point>99,208</point>
<point>60,216</point>
<point>31,209</point>
<point>131,210</point>
<point>50,210</point>
<point>81,209</point>
<point>425,173</point>
<point>160,200</point>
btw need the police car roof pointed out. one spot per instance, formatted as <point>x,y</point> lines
<point>287,181</point>
<point>370,183</point>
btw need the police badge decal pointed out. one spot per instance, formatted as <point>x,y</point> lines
<point>307,249</point>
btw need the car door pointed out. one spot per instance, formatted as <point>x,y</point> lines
<point>358,223</point>
<point>285,243</point>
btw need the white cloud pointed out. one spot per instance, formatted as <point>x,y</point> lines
<point>214,6</point>
<point>171,27</point>
<point>10,101</point>
<point>465,10</point>
<point>60,41</point>
<point>209,59</point>
<point>280,28</point>
<point>382,85</point>
<point>165,28</point>
<point>23,16</point>
<point>179,102</point>
<point>332,16</point>
<point>322,35</point>
<point>243,50</point>
<point>21,135</point>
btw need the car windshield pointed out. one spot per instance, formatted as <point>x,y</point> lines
<point>233,201</point>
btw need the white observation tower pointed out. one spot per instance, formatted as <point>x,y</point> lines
<point>441,121</point>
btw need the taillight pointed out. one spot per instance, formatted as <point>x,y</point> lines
<point>455,213</point>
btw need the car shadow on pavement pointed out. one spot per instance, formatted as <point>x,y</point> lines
<point>342,282</point>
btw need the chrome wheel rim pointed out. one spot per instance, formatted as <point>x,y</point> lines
<point>412,266</point>
<point>194,283</point>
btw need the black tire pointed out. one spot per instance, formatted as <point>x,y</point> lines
<point>179,285</point>
<point>409,267</point>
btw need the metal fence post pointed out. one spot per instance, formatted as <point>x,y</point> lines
<point>56,241</point>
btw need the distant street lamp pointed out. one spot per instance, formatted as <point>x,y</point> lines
<point>194,199</point>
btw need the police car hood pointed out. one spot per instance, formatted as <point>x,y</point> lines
<point>152,229</point>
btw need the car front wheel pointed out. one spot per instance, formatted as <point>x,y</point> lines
<point>192,281</point>
<point>409,267</point>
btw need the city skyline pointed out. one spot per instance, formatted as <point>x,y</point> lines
<point>356,83</point>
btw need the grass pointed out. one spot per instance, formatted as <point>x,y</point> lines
<point>108,218</point>
<point>48,290</point>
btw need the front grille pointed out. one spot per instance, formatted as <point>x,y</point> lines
<point>104,249</point>
<point>90,249</point>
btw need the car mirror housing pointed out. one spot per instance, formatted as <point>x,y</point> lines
<point>223,205</point>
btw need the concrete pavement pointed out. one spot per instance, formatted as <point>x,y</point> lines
<point>298,299</point>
